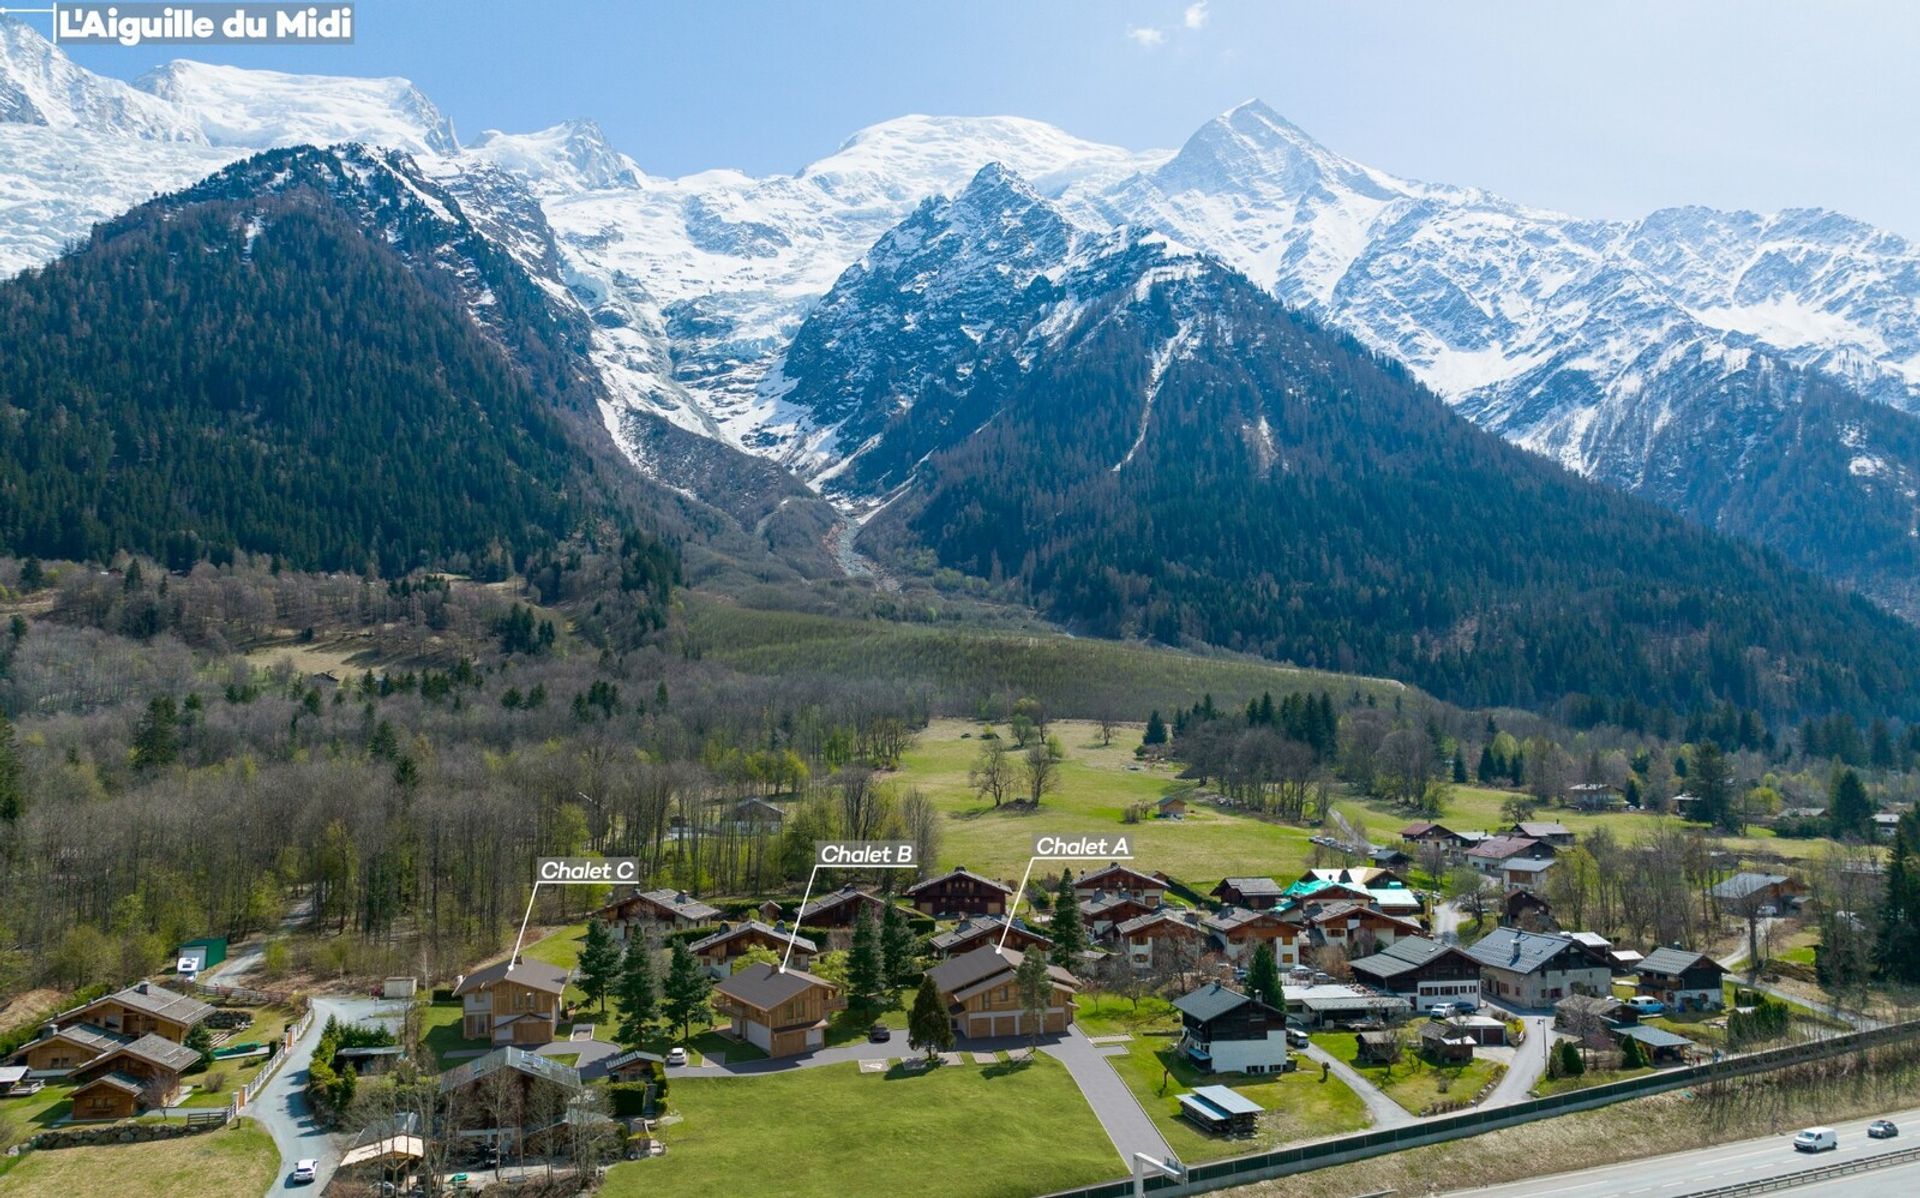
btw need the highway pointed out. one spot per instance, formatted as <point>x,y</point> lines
<point>1726,1164</point>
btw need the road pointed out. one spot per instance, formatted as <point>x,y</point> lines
<point>1726,1164</point>
<point>1529,1062</point>
<point>234,970</point>
<point>281,1106</point>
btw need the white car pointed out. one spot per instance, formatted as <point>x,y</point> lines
<point>676,1056</point>
<point>304,1171</point>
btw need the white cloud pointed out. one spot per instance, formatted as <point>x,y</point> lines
<point>1146,35</point>
<point>1196,14</point>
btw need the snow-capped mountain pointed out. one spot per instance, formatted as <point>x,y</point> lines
<point>236,106</point>
<point>1642,353</point>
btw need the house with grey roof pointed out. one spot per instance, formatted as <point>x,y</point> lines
<point>142,1008</point>
<point>986,930</point>
<point>660,910</point>
<point>514,1001</point>
<point>1422,971</point>
<point>983,1000</point>
<point>1255,894</point>
<point>1683,980</point>
<point>1538,969</point>
<point>782,1012</point>
<point>1225,1031</point>
<point>1749,891</point>
<point>719,951</point>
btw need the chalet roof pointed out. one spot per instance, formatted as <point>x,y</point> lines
<point>1499,848</point>
<point>1519,952</point>
<point>1140,923</point>
<point>962,872</point>
<point>679,902</point>
<point>632,1056</point>
<point>1405,954</point>
<point>1541,830</point>
<point>1343,997</point>
<point>150,999</point>
<point>1363,876</point>
<point>517,1059</point>
<point>1445,1032</point>
<point>1746,885</point>
<point>1213,1000</point>
<point>81,1035</point>
<point>535,975</point>
<point>1527,865</point>
<point>1592,940</point>
<point>764,987</point>
<point>851,892</point>
<point>1674,961</point>
<point>1602,1005</point>
<point>1251,887</point>
<point>1101,879</point>
<point>982,925</point>
<point>1231,919</point>
<point>750,927</point>
<point>112,1079</point>
<point>968,970</point>
<point>153,1049</point>
<point>1104,901</point>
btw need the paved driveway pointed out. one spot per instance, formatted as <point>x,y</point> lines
<point>1126,1122</point>
<point>281,1106</point>
<point>1529,1062</point>
<point>1386,1112</point>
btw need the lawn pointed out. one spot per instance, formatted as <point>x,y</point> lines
<point>1300,1106</point>
<point>235,1162</point>
<point>1097,785</point>
<point>834,1132</point>
<point>22,1117</point>
<point>1592,1077</point>
<point>1414,1083</point>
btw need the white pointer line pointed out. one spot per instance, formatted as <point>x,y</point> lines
<point>1001,948</point>
<point>795,933</point>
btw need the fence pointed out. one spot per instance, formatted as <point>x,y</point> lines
<point>287,1040</point>
<point>1787,1181</point>
<point>1260,1166</point>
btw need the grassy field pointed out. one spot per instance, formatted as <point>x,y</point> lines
<point>22,1117</point>
<point>235,1162</point>
<point>834,1132</point>
<point>1299,1105</point>
<point>1096,787</point>
<point>1414,1083</point>
<point>1592,1077</point>
<point>962,668</point>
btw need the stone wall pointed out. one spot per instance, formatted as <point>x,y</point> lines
<point>140,1131</point>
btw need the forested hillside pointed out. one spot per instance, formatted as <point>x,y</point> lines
<point>1175,455</point>
<point>225,372</point>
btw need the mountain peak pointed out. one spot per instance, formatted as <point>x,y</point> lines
<point>570,157</point>
<point>40,85</point>
<point>239,106</point>
<point>1252,147</point>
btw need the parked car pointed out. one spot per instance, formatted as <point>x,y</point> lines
<point>1766,912</point>
<point>1882,1129</point>
<point>879,1033</point>
<point>304,1171</point>
<point>1646,1004</point>
<point>1297,1038</point>
<point>676,1056</point>
<point>1816,1139</point>
<point>1447,1010</point>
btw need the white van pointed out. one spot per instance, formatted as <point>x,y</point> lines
<point>1816,1139</point>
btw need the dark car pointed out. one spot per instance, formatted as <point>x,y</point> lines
<point>879,1033</point>
<point>1882,1129</point>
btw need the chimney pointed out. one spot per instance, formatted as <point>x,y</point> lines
<point>140,987</point>
<point>48,1029</point>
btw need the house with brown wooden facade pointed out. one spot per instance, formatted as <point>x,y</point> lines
<point>1166,936</point>
<point>979,930</point>
<point>718,951</point>
<point>782,1013</point>
<point>960,892</point>
<point>1102,912</point>
<point>984,1000</point>
<point>1255,894</point>
<point>659,911</point>
<point>140,1075</point>
<point>841,908</point>
<point>512,1002</point>
<point>139,1010</point>
<point>1237,931</point>
<point>1121,878</point>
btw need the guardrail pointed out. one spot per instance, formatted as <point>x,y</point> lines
<point>1786,1181</point>
<point>1340,1150</point>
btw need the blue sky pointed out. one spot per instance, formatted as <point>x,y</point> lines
<point>1604,109</point>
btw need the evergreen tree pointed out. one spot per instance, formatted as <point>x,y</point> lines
<point>864,966</point>
<point>636,991</point>
<point>1488,770</point>
<point>1263,977</point>
<point>1035,986</point>
<point>1069,934</point>
<point>1632,1056</point>
<point>1572,1064</point>
<point>928,1027</point>
<point>1156,730</point>
<point>13,793</point>
<point>686,990</point>
<point>1459,766</point>
<point>156,742</point>
<point>1849,811</point>
<point>1899,948</point>
<point>599,963</point>
<point>1711,780</point>
<point>896,946</point>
